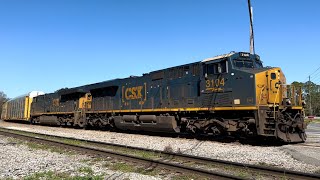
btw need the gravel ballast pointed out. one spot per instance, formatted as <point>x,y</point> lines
<point>19,161</point>
<point>275,156</point>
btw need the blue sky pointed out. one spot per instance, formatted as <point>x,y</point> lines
<point>48,45</point>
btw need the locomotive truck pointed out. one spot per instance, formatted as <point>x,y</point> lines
<point>231,94</point>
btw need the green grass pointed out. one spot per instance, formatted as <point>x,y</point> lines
<point>46,175</point>
<point>50,175</point>
<point>243,174</point>
<point>37,146</point>
<point>148,171</point>
<point>98,159</point>
<point>147,155</point>
<point>13,140</point>
<point>188,177</point>
<point>8,179</point>
<point>264,164</point>
<point>73,142</point>
<point>284,178</point>
<point>86,170</point>
<point>123,167</point>
<point>85,160</point>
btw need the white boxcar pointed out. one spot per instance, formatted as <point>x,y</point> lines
<point>19,108</point>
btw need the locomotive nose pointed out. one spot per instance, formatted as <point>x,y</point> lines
<point>269,86</point>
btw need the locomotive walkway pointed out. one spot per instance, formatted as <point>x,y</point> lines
<point>158,159</point>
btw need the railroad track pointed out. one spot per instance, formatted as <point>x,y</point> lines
<point>308,145</point>
<point>171,162</point>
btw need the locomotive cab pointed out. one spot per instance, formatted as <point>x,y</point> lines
<point>238,88</point>
<point>229,79</point>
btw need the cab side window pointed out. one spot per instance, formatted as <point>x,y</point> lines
<point>221,67</point>
<point>216,68</point>
<point>210,69</point>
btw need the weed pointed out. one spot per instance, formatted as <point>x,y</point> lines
<point>243,174</point>
<point>284,178</point>
<point>107,164</point>
<point>148,171</point>
<point>188,177</point>
<point>48,175</point>
<point>123,167</point>
<point>14,141</point>
<point>263,164</point>
<point>98,159</point>
<point>86,178</point>
<point>146,154</point>
<point>168,149</point>
<point>33,145</point>
<point>73,142</point>
<point>85,160</point>
<point>86,170</point>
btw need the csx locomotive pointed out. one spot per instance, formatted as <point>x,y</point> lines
<point>231,94</point>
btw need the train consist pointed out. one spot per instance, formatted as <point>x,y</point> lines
<point>231,94</point>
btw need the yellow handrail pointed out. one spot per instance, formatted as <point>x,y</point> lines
<point>274,103</point>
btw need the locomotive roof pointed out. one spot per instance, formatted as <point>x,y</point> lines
<point>30,94</point>
<point>218,57</point>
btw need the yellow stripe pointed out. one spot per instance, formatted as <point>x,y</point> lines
<point>51,113</point>
<point>159,110</point>
<point>297,107</point>
<point>26,103</point>
<point>179,109</point>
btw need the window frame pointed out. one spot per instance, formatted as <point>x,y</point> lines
<point>215,65</point>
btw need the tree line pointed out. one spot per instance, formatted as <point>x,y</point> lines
<point>311,95</point>
<point>3,99</point>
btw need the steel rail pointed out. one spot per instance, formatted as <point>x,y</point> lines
<point>279,172</point>
<point>102,152</point>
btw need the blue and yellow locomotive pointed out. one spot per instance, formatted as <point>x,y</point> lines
<point>231,94</point>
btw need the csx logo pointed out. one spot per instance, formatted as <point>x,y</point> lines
<point>133,92</point>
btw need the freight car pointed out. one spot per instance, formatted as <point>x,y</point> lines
<point>19,107</point>
<point>231,94</point>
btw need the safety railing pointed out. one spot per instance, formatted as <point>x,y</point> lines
<point>294,94</point>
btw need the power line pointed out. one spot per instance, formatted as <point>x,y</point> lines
<point>312,74</point>
<point>317,82</point>
<point>315,76</point>
<point>316,79</point>
<point>315,71</point>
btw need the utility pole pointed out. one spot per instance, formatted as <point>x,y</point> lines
<point>252,50</point>
<point>310,107</point>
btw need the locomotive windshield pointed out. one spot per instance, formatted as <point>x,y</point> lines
<point>243,64</point>
<point>247,63</point>
<point>259,64</point>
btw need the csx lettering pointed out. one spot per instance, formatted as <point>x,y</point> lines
<point>133,92</point>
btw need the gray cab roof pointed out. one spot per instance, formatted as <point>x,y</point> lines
<point>218,57</point>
